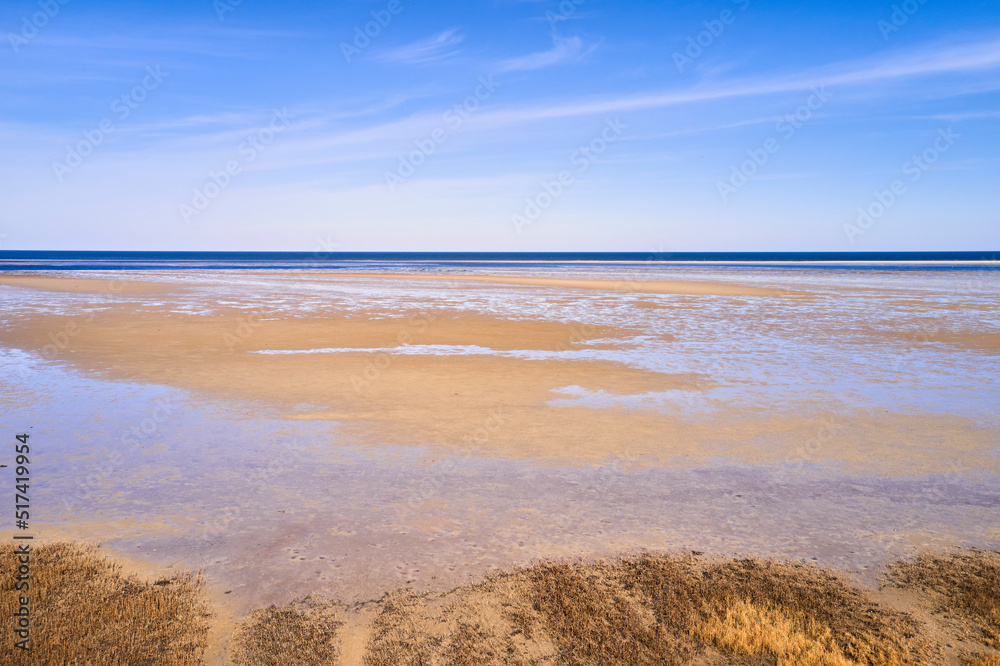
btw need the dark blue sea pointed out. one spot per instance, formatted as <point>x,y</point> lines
<point>18,260</point>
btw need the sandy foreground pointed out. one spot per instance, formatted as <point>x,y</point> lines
<point>439,436</point>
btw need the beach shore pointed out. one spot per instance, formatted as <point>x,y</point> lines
<point>389,378</point>
<point>350,434</point>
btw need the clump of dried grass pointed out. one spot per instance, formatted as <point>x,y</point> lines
<point>634,611</point>
<point>471,626</point>
<point>398,636</point>
<point>84,610</point>
<point>965,587</point>
<point>661,609</point>
<point>302,633</point>
<point>593,615</point>
<point>819,610</point>
<point>748,629</point>
<point>982,660</point>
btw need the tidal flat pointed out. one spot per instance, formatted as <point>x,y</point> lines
<point>345,435</point>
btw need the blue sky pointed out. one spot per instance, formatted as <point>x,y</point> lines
<point>500,126</point>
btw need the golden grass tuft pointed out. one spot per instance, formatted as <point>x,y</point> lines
<point>654,609</point>
<point>84,610</point>
<point>982,660</point>
<point>965,586</point>
<point>302,633</point>
<point>815,605</point>
<point>750,630</point>
<point>588,612</point>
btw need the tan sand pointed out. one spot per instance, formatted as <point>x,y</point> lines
<point>492,405</point>
<point>89,285</point>
<point>628,610</point>
<point>97,286</point>
<point>633,286</point>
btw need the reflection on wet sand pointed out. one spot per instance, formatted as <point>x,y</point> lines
<point>466,425</point>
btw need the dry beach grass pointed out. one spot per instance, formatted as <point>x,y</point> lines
<point>85,610</point>
<point>964,587</point>
<point>673,609</point>
<point>652,609</point>
<point>629,611</point>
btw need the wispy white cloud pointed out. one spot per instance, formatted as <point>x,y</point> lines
<point>970,115</point>
<point>972,56</point>
<point>365,133</point>
<point>564,49</point>
<point>321,137</point>
<point>434,48</point>
<point>701,129</point>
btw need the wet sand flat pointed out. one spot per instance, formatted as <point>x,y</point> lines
<point>388,380</point>
<point>77,285</point>
<point>632,286</point>
<point>345,435</point>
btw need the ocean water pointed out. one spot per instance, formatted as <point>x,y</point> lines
<point>12,260</point>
